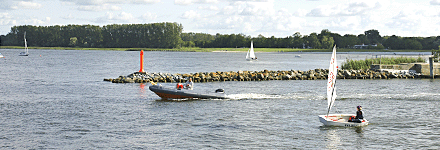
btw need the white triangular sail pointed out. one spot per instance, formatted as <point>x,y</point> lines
<point>25,43</point>
<point>26,49</point>
<point>250,54</point>
<point>333,72</point>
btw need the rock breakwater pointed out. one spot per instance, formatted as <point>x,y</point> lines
<point>316,74</point>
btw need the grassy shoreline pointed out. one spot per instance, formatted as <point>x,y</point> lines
<point>196,49</point>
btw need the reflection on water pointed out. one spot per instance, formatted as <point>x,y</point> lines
<point>338,136</point>
<point>333,139</point>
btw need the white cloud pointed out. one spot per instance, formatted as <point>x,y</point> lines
<point>28,5</point>
<point>68,17</point>
<point>35,21</point>
<point>318,12</point>
<point>10,5</point>
<point>211,8</point>
<point>407,20</point>
<point>148,16</point>
<point>182,2</point>
<point>300,13</point>
<point>190,2</point>
<point>6,19</point>
<point>191,14</point>
<point>98,7</point>
<point>349,9</point>
<point>145,1</point>
<point>255,8</point>
<point>123,17</point>
<point>252,18</point>
<point>434,2</point>
<point>5,5</point>
<point>103,2</point>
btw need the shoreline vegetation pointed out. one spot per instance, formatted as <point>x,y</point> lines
<point>169,36</point>
<point>196,49</point>
<point>366,64</point>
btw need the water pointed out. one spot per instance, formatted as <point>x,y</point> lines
<point>57,100</point>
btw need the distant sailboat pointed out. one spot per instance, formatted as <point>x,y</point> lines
<point>26,50</point>
<point>250,54</point>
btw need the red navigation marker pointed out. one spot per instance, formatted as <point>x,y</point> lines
<point>142,61</point>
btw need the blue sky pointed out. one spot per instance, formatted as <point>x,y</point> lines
<point>279,18</point>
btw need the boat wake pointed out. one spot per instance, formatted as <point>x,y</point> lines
<point>251,96</point>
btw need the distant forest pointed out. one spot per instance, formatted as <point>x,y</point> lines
<point>169,35</point>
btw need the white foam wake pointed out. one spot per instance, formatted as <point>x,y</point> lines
<point>252,96</point>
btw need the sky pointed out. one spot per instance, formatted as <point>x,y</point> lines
<point>279,18</point>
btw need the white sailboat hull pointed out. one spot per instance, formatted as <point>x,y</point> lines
<point>23,54</point>
<point>340,120</point>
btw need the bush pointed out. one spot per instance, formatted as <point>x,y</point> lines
<point>365,64</point>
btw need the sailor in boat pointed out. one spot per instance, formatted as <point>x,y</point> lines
<point>189,84</point>
<point>359,116</point>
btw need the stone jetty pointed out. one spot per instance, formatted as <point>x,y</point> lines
<point>316,74</point>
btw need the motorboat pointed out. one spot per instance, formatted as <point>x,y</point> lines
<point>175,93</point>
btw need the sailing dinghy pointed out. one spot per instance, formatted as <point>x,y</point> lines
<point>250,54</point>
<point>26,50</point>
<point>336,119</point>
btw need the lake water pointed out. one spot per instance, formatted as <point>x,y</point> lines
<point>58,100</point>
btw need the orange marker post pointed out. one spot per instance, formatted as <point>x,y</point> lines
<point>142,61</point>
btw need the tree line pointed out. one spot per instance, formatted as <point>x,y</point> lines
<point>371,39</point>
<point>169,35</point>
<point>155,35</point>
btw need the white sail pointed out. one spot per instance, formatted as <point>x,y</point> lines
<point>26,49</point>
<point>331,89</point>
<point>25,43</point>
<point>250,54</point>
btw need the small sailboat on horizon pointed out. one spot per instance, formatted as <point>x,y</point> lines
<point>250,54</point>
<point>26,50</point>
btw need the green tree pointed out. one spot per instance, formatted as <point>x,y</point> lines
<point>412,44</point>
<point>393,42</point>
<point>363,39</point>
<point>327,42</point>
<point>73,41</point>
<point>313,41</point>
<point>373,36</point>
<point>298,40</point>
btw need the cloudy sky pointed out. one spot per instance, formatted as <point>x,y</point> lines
<point>279,18</point>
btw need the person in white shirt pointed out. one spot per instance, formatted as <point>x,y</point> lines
<point>189,84</point>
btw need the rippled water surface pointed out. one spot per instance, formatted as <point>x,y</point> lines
<point>58,100</point>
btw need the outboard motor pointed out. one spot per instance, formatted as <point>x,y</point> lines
<point>220,91</point>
